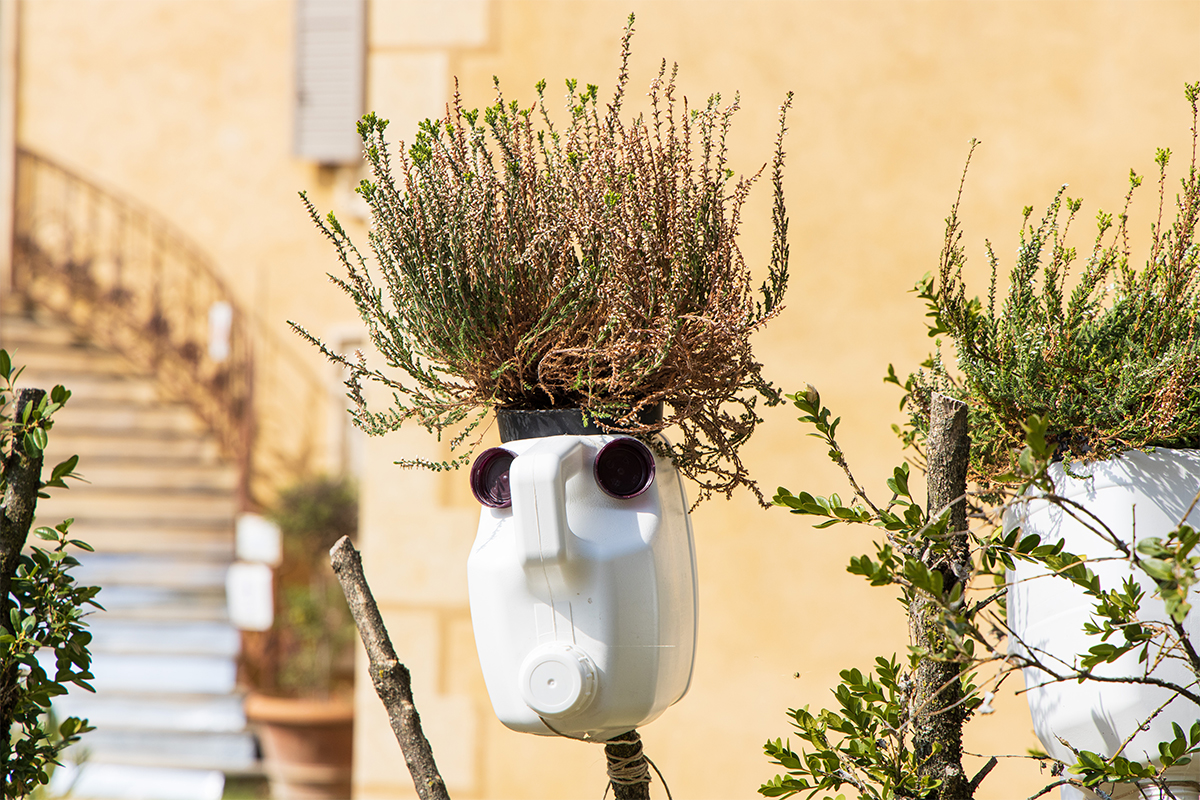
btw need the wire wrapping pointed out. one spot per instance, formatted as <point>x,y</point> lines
<point>627,770</point>
<point>622,770</point>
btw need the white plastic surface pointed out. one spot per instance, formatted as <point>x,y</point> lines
<point>1146,493</point>
<point>258,539</point>
<point>249,594</point>
<point>584,605</point>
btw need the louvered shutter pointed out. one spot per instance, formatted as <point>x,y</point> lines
<point>330,41</point>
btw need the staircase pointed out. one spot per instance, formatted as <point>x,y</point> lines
<point>159,509</point>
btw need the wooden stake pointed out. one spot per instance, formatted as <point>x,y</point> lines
<point>937,712</point>
<point>391,678</point>
<point>627,768</point>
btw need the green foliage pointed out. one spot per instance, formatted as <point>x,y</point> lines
<point>868,742</point>
<point>48,612</point>
<point>45,608</point>
<point>1172,566</point>
<point>1112,362</point>
<point>1095,770</point>
<point>314,513</point>
<point>313,632</point>
<point>524,264</point>
<point>865,744</point>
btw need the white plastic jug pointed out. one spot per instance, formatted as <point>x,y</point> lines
<point>582,584</point>
<point>1144,492</point>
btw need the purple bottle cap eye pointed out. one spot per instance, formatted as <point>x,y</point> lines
<point>624,468</point>
<point>489,478</point>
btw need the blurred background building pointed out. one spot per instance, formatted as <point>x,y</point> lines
<point>152,249</point>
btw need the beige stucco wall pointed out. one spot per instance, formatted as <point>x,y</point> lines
<point>185,106</point>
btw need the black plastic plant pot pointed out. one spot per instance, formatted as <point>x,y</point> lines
<point>489,478</point>
<point>518,423</point>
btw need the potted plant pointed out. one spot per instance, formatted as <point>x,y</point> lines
<point>579,275</point>
<point>586,264</point>
<point>1103,369</point>
<point>302,668</point>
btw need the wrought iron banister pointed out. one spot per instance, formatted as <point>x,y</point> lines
<point>134,283</point>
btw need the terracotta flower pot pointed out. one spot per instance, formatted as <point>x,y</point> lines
<point>308,745</point>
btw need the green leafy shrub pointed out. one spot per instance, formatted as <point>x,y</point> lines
<point>43,607</point>
<point>593,265</point>
<point>309,647</point>
<point>874,741</point>
<point>1113,363</point>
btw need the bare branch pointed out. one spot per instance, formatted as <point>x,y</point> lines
<point>390,677</point>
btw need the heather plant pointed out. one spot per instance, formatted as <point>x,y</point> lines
<point>592,264</point>
<point>1112,363</point>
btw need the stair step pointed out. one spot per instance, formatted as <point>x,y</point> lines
<point>89,443</point>
<point>159,603</point>
<point>17,330</point>
<point>126,636</point>
<point>229,752</point>
<point>122,417</point>
<point>193,713</point>
<point>125,473</point>
<point>89,781</point>
<point>140,569</point>
<point>83,386</point>
<point>142,536</point>
<point>158,506</point>
<point>99,503</point>
<point>71,360</point>
<point>150,674</point>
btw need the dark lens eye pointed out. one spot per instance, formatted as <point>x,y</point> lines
<point>624,468</point>
<point>489,478</point>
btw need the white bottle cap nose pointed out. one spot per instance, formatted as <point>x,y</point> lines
<point>558,680</point>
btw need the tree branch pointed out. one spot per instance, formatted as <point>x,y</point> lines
<point>390,677</point>
<point>937,713</point>
<point>23,476</point>
<point>23,479</point>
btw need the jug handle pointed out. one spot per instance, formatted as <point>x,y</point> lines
<point>539,477</point>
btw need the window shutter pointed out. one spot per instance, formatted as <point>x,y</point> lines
<point>330,40</point>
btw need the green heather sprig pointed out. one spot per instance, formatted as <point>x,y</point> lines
<point>592,264</point>
<point>1112,362</point>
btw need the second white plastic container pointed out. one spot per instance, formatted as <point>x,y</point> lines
<point>1146,494</point>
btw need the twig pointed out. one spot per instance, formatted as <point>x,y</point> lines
<point>1046,789</point>
<point>979,776</point>
<point>390,677</point>
<point>1185,641</point>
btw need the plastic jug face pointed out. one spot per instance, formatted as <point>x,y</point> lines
<point>582,584</point>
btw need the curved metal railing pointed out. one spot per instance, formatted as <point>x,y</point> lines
<point>135,284</point>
